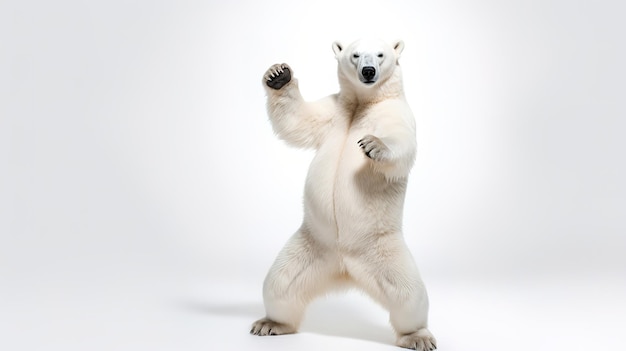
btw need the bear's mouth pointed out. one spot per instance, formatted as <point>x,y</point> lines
<point>367,81</point>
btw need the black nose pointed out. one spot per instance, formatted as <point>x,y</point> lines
<point>368,72</point>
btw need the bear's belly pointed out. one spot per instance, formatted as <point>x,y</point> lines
<point>345,199</point>
<point>319,206</point>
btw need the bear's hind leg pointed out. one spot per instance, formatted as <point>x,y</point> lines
<point>388,273</point>
<point>302,271</point>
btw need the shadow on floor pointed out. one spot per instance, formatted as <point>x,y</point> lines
<point>326,317</point>
<point>251,310</point>
<point>340,319</point>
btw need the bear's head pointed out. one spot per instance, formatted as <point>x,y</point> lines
<point>367,62</point>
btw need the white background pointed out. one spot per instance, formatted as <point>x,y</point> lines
<point>143,195</point>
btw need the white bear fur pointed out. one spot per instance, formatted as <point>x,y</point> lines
<point>351,233</point>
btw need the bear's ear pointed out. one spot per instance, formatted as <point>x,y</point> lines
<point>337,48</point>
<point>398,46</point>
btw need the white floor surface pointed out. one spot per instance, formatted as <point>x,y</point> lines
<point>192,314</point>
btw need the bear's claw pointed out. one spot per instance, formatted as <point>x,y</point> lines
<point>277,76</point>
<point>373,147</point>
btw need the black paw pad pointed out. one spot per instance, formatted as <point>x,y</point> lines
<point>279,79</point>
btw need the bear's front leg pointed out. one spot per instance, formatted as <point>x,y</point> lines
<point>374,148</point>
<point>277,76</point>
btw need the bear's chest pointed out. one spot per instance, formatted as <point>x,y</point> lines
<point>338,161</point>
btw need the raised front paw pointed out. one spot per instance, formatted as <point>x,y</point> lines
<point>373,148</point>
<point>277,76</point>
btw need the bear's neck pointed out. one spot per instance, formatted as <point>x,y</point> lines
<point>390,88</point>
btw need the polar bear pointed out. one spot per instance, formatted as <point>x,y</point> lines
<point>351,234</point>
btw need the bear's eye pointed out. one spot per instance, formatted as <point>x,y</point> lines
<point>380,55</point>
<point>356,55</point>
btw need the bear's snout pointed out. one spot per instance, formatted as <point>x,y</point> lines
<point>368,72</point>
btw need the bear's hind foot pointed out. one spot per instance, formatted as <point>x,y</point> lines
<point>266,326</point>
<point>277,76</point>
<point>421,340</point>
